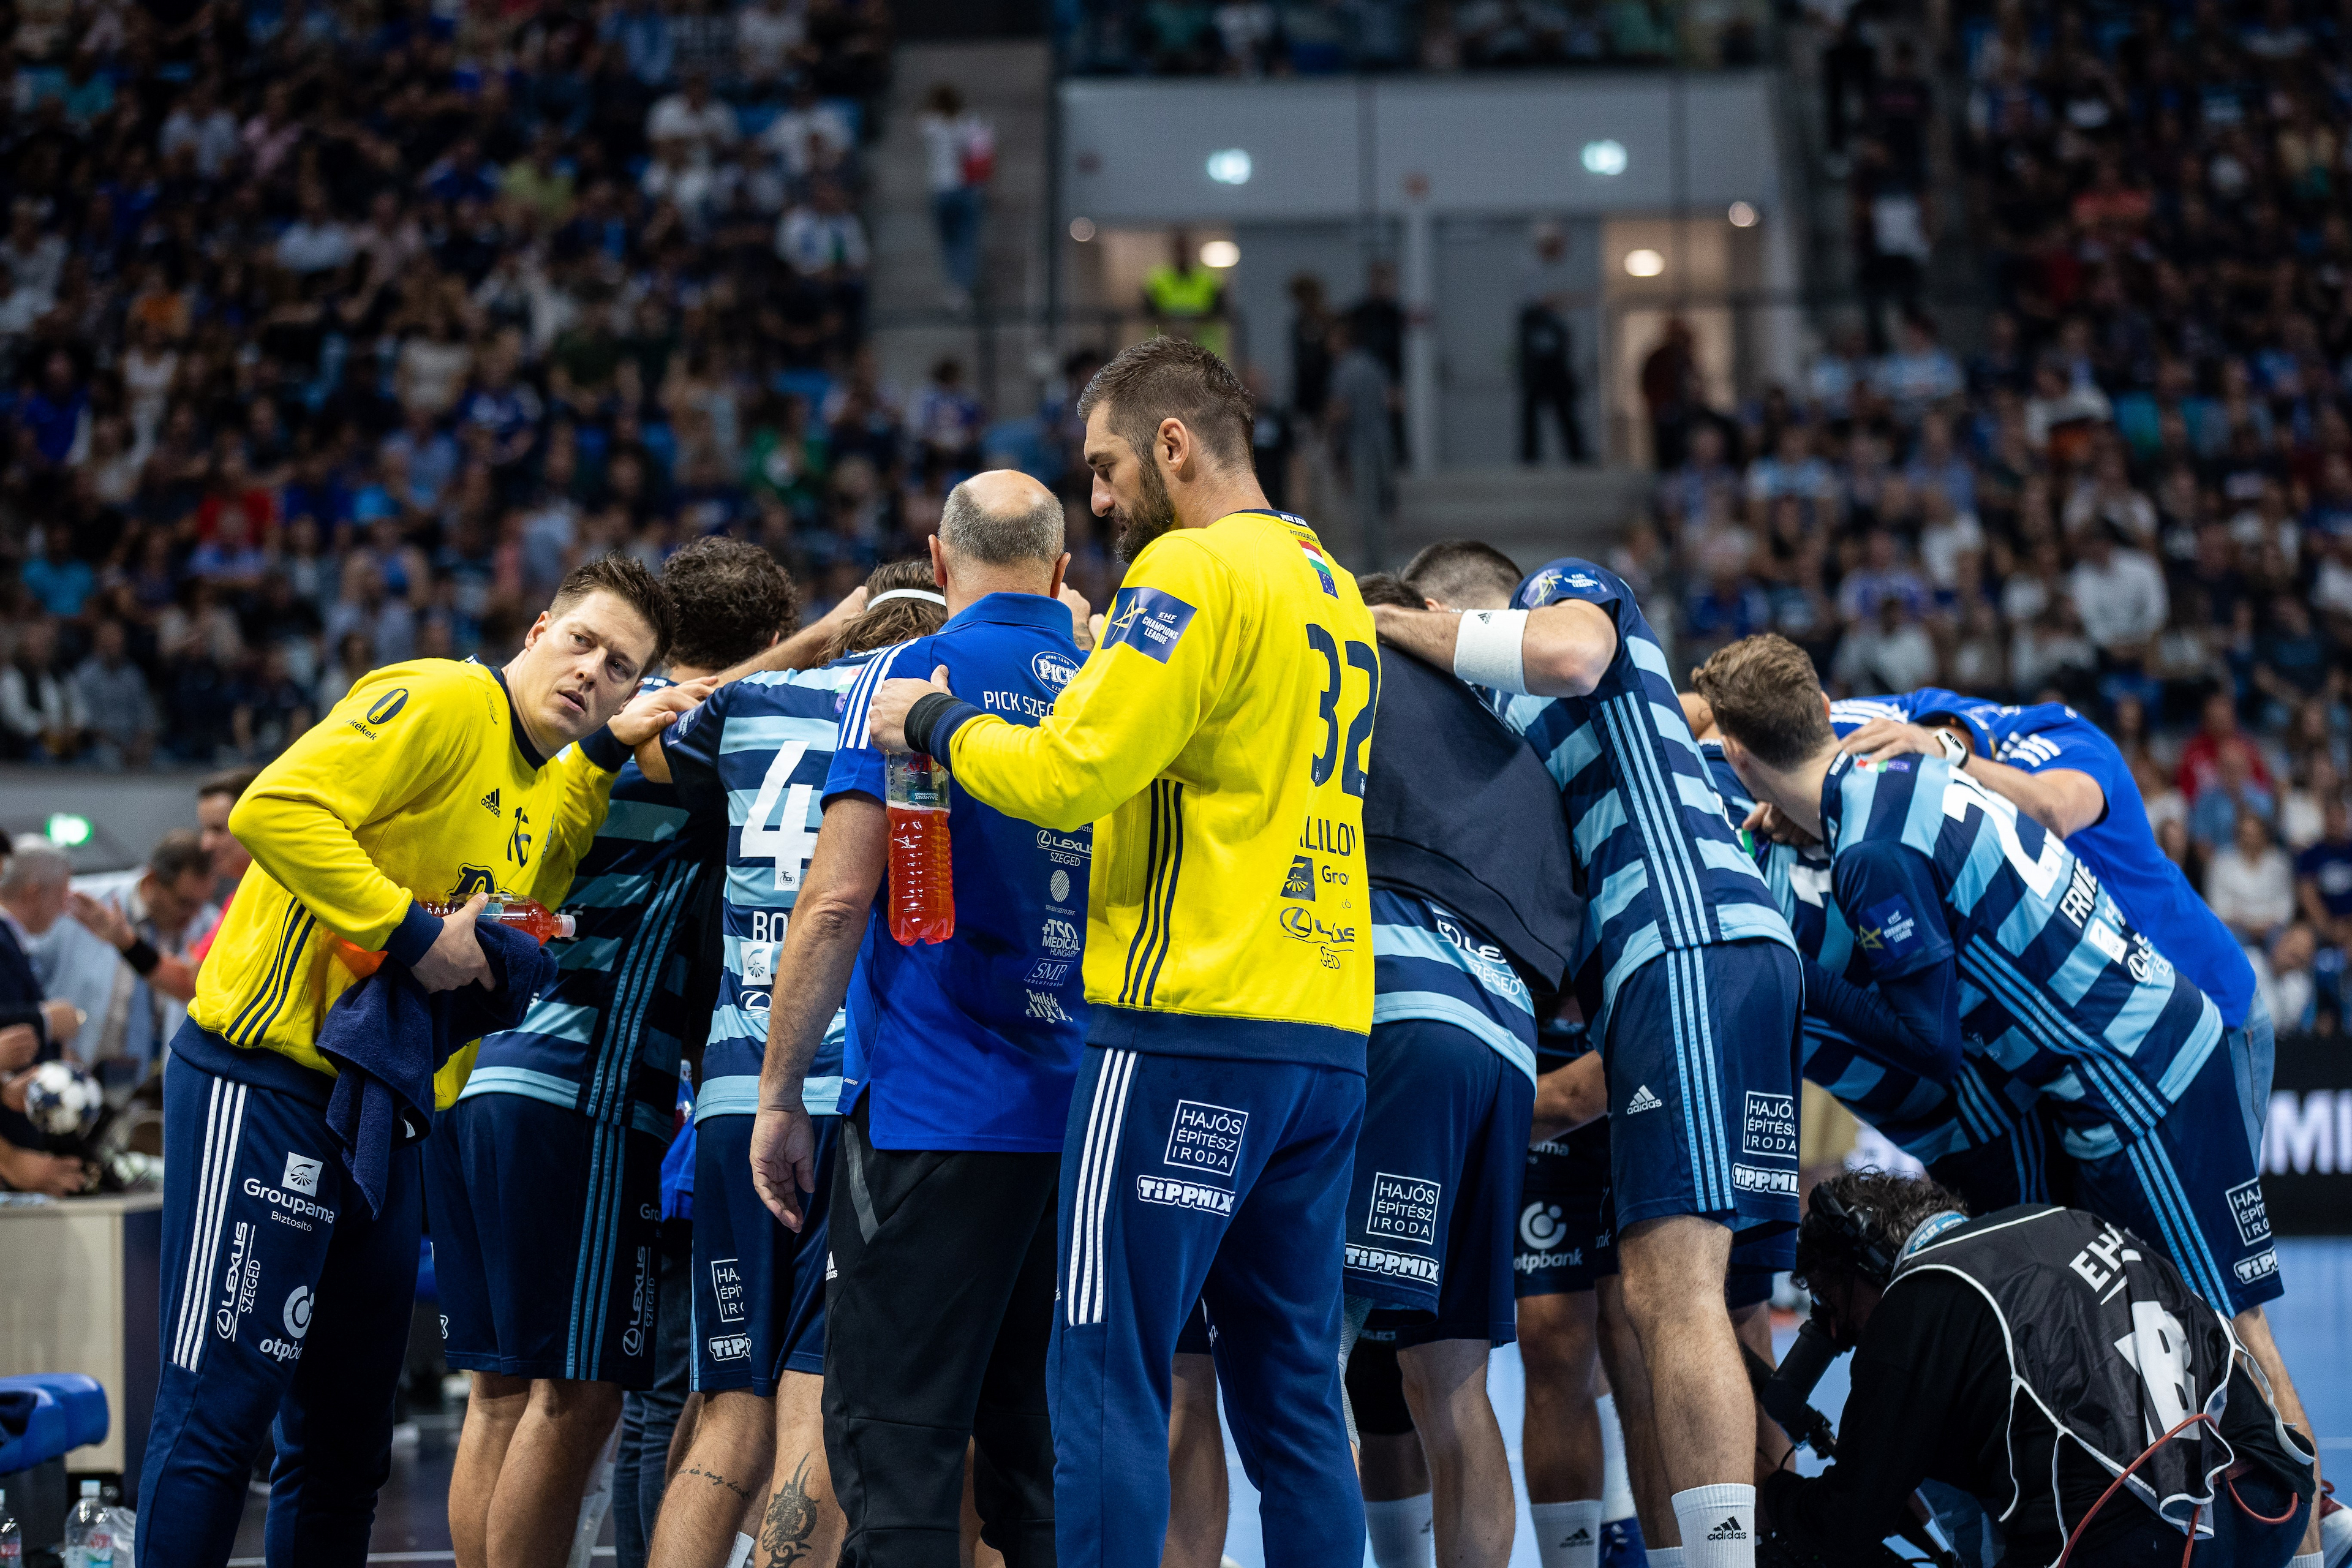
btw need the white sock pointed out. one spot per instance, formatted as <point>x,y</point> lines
<point>2308,1560</point>
<point>1616,1491</point>
<point>1717,1525</point>
<point>1568,1534</point>
<point>742,1552</point>
<point>1663,1557</point>
<point>1400,1531</point>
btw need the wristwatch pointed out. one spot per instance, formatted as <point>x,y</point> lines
<point>1956,750</point>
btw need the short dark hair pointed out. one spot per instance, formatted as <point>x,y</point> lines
<point>177,854</point>
<point>1386,588</point>
<point>626,578</point>
<point>1456,571</point>
<point>900,620</point>
<point>733,600</point>
<point>1766,696</point>
<point>230,782</point>
<point>1890,1207</point>
<point>1171,378</point>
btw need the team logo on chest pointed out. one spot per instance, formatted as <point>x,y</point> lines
<point>518,841</point>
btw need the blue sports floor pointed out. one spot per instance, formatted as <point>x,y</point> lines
<point>2313,1322</point>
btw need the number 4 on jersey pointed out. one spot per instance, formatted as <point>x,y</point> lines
<point>789,842</point>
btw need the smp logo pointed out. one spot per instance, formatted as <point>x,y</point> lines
<point>1053,669</point>
<point>386,707</point>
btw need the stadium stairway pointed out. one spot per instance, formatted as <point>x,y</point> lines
<point>1006,82</point>
<point>1529,514</point>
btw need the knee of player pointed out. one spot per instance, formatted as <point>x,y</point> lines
<point>572,1401</point>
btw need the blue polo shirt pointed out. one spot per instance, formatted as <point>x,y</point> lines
<point>974,1043</point>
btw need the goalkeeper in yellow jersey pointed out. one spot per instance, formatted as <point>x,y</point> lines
<point>1217,739</point>
<point>283,1296</point>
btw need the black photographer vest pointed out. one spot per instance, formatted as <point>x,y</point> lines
<point>2106,1341</point>
<point>1459,810</point>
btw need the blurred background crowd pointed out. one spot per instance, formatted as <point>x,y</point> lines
<point>334,330</point>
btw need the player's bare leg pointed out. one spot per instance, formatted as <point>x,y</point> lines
<point>1469,1472</point>
<point>801,1524</point>
<point>1560,1437</point>
<point>1752,1326</point>
<point>494,1408</point>
<point>1199,1492</point>
<point>2255,1334</point>
<point>545,1472</point>
<point>1672,1272</point>
<point>720,1485</point>
<point>1629,1379</point>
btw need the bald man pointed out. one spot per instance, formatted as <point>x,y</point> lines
<point>956,1075</point>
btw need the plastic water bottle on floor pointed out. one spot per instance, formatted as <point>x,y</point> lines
<point>12,1540</point>
<point>90,1535</point>
<point>922,876</point>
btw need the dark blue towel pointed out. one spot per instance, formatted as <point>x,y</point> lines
<point>387,1037</point>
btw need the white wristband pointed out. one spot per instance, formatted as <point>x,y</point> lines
<point>1486,649</point>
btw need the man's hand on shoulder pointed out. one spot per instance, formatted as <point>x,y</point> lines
<point>885,716</point>
<point>456,958</point>
<point>650,712</point>
<point>1882,740</point>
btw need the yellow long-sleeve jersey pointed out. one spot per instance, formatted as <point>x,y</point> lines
<point>421,783</point>
<point>1217,739</point>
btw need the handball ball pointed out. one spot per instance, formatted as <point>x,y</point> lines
<point>62,1100</point>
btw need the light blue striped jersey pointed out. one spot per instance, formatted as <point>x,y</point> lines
<point>1923,1117</point>
<point>1659,865</point>
<point>604,1039</point>
<point>2056,985</point>
<point>761,746</point>
<point>2120,849</point>
<point>1431,964</point>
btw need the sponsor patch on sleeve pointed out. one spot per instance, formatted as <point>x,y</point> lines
<point>1888,930</point>
<point>1147,620</point>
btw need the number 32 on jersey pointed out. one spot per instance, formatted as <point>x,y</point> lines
<point>1343,750</point>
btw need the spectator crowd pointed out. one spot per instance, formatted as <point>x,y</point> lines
<point>332,334</point>
<point>2136,495</point>
<point>1325,38</point>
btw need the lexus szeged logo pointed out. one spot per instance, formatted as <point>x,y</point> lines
<point>386,707</point>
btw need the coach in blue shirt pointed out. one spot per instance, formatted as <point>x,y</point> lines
<point>956,1083</point>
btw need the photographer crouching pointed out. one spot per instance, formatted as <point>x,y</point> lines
<point>2050,1365</point>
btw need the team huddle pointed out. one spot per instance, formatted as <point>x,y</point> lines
<point>1348,976</point>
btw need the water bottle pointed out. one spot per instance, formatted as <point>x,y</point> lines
<point>90,1535</point>
<point>12,1540</point>
<point>922,877</point>
<point>523,914</point>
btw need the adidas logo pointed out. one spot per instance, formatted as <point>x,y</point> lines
<point>1729,1530</point>
<point>1579,1536</point>
<point>1644,1100</point>
<point>490,803</point>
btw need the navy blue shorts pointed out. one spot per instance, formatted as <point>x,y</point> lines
<point>2192,1186</point>
<point>543,1229</point>
<point>1193,1339</point>
<point>759,1290</point>
<point>1563,1241</point>
<point>1702,1056</point>
<point>1566,1226</point>
<point>1435,1198</point>
<point>2012,1169</point>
